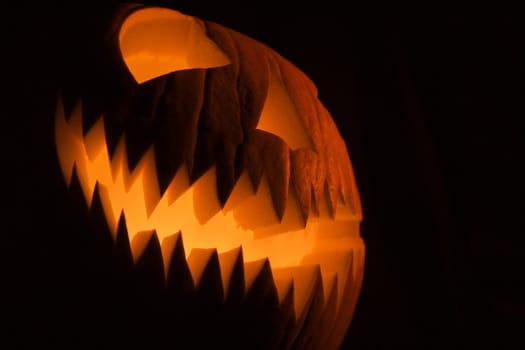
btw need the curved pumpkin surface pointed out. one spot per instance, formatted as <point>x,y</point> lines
<point>211,143</point>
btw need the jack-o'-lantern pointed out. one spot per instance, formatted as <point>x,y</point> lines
<point>217,149</point>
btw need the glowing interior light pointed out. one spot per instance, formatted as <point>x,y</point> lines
<point>314,259</point>
<point>248,219</point>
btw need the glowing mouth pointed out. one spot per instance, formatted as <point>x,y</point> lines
<point>317,261</point>
<point>299,252</point>
<point>248,219</point>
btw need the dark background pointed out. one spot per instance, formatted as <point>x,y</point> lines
<point>430,103</point>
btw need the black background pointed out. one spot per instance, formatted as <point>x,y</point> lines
<point>430,103</point>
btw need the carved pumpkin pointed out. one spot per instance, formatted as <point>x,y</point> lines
<point>211,155</point>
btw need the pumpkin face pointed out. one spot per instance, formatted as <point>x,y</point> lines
<point>209,142</point>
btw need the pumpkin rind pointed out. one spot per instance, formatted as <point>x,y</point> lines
<point>204,117</point>
<point>201,119</point>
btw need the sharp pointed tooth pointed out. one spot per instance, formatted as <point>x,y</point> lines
<point>284,285</point>
<point>231,262</point>
<point>323,322</point>
<point>119,164</point>
<point>302,172</point>
<point>308,301</point>
<point>178,278</point>
<point>111,218</point>
<point>95,140</point>
<point>149,180</point>
<point>326,322</point>
<point>147,277</point>
<point>252,270</point>
<point>168,246</point>
<point>98,213</point>
<point>197,262</point>
<point>287,317</point>
<point>122,245</point>
<point>139,242</point>
<point>261,298</point>
<point>204,263</point>
<point>76,191</point>
<point>329,286</point>
<point>147,255</point>
<point>333,261</point>
<point>205,187</point>
<point>242,191</point>
<point>305,281</point>
<point>349,293</point>
<point>312,317</point>
<point>178,185</point>
<point>71,150</point>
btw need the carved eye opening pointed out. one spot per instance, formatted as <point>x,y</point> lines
<point>156,41</point>
<point>313,258</point>
<point>279,116</point>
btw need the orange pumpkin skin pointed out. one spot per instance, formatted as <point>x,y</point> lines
<point>203,119</point>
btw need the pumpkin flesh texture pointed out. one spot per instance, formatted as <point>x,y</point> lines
<point>255,164</point>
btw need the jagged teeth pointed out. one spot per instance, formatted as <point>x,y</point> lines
<point>315,296</point>
<point>310,295</point>
<point>316,292</point>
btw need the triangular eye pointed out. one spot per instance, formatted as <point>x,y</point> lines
<point>280,116</point>
<point>157,41</point>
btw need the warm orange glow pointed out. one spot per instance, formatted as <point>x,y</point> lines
<point>280,117</point>
<point>326,250</point>
<point>293,239</point>
<point>157,41</point>
<point>248,219</point>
